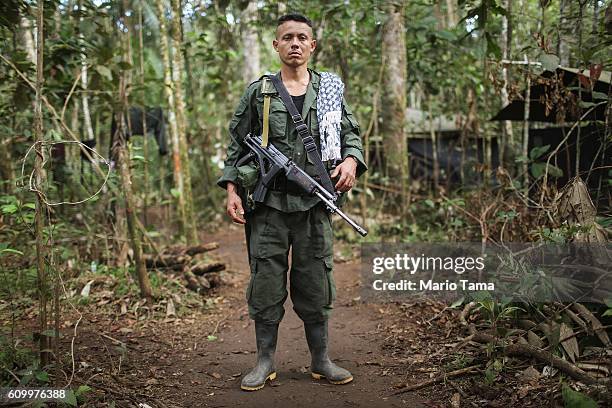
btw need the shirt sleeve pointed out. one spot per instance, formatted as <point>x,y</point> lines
<point>239,127</point>
<point>351,138</point>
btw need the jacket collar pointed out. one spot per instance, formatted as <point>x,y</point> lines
<point>311,91</point>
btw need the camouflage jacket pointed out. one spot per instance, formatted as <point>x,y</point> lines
<point>248,117</point>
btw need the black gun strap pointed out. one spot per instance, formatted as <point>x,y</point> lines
<point>309,144</point>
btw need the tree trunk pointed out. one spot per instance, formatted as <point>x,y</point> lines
<point>394,94</point>
<point>507,140</point>
<point>85,84</point>
<point>451,13</point>
<point>251,69</point>
<point>145,147</point>
<point>174,131</point>
<point>595,17</point>
<point>581,6</point>
<point>41,250</point>
<point>123,159</point>
<point>434,146</point>
<point>177,78</point>
<point>564,33</point>
<point>440,20</point>
<point>191,88</point>
<point>7,173</point>
<point>27,39</point>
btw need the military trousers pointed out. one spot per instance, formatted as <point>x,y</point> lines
<point>307,238</point>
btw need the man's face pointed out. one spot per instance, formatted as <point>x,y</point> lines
<point>294,43</point>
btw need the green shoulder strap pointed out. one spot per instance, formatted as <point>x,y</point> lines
<point>266,89</point>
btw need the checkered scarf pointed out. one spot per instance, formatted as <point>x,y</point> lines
<point>329,115</point>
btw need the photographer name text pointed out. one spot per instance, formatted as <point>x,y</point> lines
<point>422,284</point>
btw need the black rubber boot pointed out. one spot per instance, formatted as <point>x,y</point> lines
<point>322,366</point>
<point>266,335</point>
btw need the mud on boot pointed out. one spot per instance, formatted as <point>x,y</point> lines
<point>266,336</point>
<point>321,366</point>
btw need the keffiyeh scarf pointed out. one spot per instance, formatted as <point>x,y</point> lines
<point>329,115</point>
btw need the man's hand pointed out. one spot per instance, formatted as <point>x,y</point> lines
<point>234,205</point>
<point>346,172</point>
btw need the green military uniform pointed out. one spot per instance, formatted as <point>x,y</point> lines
<point>287,218</point>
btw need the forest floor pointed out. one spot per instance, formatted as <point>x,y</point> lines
<point>198,359</point>
<point>172,363</point>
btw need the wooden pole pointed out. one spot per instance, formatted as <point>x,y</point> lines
<point>526,129</point>
<point>40,178</point>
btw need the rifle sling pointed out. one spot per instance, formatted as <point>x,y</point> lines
<point>309,144</point>
<point>266,121</point>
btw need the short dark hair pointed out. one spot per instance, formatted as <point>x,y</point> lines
<point>294,17</point>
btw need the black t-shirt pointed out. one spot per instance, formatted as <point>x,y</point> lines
<point>298,101</point>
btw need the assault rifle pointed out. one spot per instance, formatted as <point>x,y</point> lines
<point>271,161</point>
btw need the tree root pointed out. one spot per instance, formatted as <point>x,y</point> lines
<point>439,378</point>
<point>543,356</point>
<point>465,313</point>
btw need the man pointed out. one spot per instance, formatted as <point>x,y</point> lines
<point>288,218</point>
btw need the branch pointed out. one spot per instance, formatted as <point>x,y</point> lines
<point>439,378</point>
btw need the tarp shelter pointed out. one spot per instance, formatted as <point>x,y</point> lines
<point>451,151</point>
<point>554,108</point>
<point>554,97</point>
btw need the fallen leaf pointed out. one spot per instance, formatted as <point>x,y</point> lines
<point>595,323</point>
<point>170,309</point>
<point>534,340</point>
<point>86,289</point>
<point>529,374</point>
<point>456,400</point>
<point>570,345</point>
<point>549,371</point>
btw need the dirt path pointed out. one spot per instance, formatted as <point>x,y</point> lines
<point>211,373</point>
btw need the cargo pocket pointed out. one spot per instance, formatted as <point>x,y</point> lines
<point>331,284</point>
<point>322,233</point>
<point>248,175</point>
<point>278,116</point>
<point>250,288</point>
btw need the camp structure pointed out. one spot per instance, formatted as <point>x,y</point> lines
<point>569,115</point>
<point>459,157</point>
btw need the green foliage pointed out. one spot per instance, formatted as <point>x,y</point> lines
<point>539,169</point>
<point>461,361</point>
<point>21,362</point>
<point>559,235</point>
<point>609,305</point>
<point>575,399</point>
<point>494,368</point>
<point>495,310</point>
